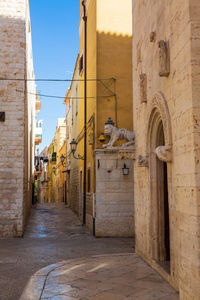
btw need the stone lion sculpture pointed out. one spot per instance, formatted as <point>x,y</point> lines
<point>116,134</point>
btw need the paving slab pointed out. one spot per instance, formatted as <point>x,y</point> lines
<point>54,234</point>
<point>100,277</point>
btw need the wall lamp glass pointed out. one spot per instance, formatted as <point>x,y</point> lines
<point>125,170</point>
<point>73,146</point>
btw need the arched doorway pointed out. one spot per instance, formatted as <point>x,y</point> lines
<point>159,150</point>
<point>162,203</point>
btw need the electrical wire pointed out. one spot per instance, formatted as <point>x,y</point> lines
<point>64,97</point>
<point>54,80</point>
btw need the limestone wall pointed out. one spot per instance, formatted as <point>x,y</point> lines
<point>15,132</point>
<point>114,213</point>
<point>175,97</point>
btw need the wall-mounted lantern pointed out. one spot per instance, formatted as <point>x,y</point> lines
<point>54,170</point>
<point>125,170</point>
<point>73,146</point>
<point>62,159</point>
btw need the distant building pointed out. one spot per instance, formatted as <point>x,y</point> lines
<point>73,115</point>
<point>43,176</point>
<point>54,163</point>
<point>18,105</point>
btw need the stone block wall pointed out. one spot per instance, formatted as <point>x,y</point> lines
<point>14,132</point>
<point>175,97</point>
<point>114,212</point>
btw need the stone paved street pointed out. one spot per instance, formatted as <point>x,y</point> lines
<point>55,235</point>
<point>104,277</point>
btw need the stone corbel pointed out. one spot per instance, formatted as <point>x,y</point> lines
<point>143,161</point>
<point>164,153</point>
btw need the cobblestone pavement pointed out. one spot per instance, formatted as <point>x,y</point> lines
<point>53,234</point>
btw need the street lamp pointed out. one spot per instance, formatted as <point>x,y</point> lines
<point>73,146</point>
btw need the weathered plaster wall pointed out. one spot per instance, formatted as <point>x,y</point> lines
<point>176,22</point>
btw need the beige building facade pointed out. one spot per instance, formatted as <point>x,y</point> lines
<point>17,121</point>
<point>166,43</point>
<point>72,131</point>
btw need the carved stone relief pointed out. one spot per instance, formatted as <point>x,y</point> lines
<point>143,87</point>
<point>126,155</point>
<point>164,153</point>
<point>164,60</point>
<point>117,134</point>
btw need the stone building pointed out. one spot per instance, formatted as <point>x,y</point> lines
<point>43,176</point>
<point>17,117</point>
<point>166,68</point>
<point>54,162</point>
<point>72,131</point>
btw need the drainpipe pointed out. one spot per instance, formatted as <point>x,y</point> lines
<point>85,111</point>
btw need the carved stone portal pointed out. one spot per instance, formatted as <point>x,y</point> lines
<point>115,134</point>
<point>164,153</point>
<point>143,87</point>
<point>164,60</point>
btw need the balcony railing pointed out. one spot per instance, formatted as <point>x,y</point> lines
<point>37,105</point>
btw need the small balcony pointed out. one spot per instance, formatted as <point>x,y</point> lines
<point>38,135</point>
<point>37,104</point>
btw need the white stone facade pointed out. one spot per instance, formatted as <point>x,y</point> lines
<point>114,197</point>
<point>166,43</point>
<point>17,132</point>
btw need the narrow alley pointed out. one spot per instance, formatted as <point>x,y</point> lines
<point>100,150</point>
<point>53,234</point>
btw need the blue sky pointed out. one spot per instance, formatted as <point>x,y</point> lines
<point>55,39</point>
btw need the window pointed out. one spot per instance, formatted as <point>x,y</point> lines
<point>76,100</point>
<point>72,105</point>
<point>81,64</point>
<point>88,180</point>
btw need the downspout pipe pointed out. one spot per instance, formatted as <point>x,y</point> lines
<point>85,111</point>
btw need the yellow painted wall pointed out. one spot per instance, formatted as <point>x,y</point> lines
<point>61,168</point>
<point>114,59</point>
<point>50,175</point>
<point>109,55</point>
<point>91,74</point>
